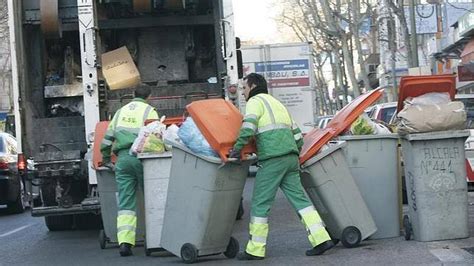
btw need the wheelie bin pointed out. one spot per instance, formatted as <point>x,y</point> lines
<point>204,194</point>
<point>435,174</point>
<point>108,194</point>
<point>373,162</point>
<point>330,186</point>
<point>156,173</point>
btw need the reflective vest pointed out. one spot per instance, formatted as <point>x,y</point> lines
<point>269,120</point>
<point>125,125</point>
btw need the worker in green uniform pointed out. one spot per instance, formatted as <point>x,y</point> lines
<point>279,141</point>
<point>121,133</point>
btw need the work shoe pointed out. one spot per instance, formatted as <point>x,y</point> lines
<point>125,250</point>
<point>320,249</point>
<point>246,256</point>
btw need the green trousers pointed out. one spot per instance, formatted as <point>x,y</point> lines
<point>129,176</point>
<point>281,172</point>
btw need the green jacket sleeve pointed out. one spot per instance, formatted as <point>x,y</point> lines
<point>253,112</point>
<point>298,136</point>
<point>107,142</point>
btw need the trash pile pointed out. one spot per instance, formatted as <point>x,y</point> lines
<point>192,137</point>
<point>431,112</point>
<point>366,126</point>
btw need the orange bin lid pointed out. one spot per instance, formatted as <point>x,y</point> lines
<point>219,121</point>
<point>413,86</point>
<point>317,138</point>
<point>99,134</point>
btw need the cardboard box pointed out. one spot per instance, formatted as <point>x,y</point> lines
<point>119,70</point>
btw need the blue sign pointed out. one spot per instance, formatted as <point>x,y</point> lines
<point>3,116</point>
<point>283,65</point>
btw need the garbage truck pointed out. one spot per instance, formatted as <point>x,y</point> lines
<point>184,50</point>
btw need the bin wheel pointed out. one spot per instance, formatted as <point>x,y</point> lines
<point>407,226</point>
<point>189,253</point>
<point>102,239</point>
<point>240,212</point>
<point>351,237</point>
<point>147,251</point>
<point>232,248</point>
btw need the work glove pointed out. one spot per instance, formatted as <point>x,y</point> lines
<point>234,154</point>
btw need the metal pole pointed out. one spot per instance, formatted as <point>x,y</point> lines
<point>414,41</point>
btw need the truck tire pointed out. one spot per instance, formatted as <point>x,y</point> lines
<point>59,223</point>
<point>88,221</point>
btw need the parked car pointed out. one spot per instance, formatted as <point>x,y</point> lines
<point>383,112</point>
<point>323,121</point>
<point>12,192</point>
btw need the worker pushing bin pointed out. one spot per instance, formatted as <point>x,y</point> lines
<point>156,173</point>
<point>373,162</point>
<point>204,192</point>
<point>328,180</point>
<point>107,189</point>
<point>329,183</point>
<point>435,173</point>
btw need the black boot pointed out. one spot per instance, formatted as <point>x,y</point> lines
<point>125,249</point>
<point>246,256</point>
<point>320,249</point>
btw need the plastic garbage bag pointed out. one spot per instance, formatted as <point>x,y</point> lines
<point>366,126</point>
<point>429,99</point>
<point>192,137</point>
<point>171,134</point>
<point>150,138</point>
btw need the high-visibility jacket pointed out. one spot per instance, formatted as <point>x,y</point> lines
<point>124,127</point>
<point>275,131</point>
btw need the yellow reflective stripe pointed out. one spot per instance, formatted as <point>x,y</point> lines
<point>126,228</point>
<point>298,136</point>
<point>134,130</point>
<point>126,212</point>
<point>126,237</point>
<point>147,112</point>
<point>249,125</point>
<point>250,116</point>
<point>258,234</point>
<point>106,142</point>
<point>272,127</point>
<point>259,239</point>
<point>269,108</point>
<point>258,220</point>
<point>317,234</point>
<point>306,210</point>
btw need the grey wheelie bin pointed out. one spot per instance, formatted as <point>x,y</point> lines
<point>203,198</point>
<point>373,162</point>
<point>156,173</point>
<point>435,171</point>
<point>108,195</point>
<point>330,186</point>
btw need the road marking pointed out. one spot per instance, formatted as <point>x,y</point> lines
<point>451,255</point>
<point>15,230</point>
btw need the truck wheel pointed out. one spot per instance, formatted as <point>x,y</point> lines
<point>59,223</point>
<point>232,248</point>
<point>88,221</point>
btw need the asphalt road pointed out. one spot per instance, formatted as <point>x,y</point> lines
<point>25,240</point>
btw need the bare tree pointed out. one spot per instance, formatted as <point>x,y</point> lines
<point>396,6</point>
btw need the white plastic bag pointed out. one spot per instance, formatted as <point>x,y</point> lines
<point>429,99</point>
<point>150,138</point>
<point>171,134</point>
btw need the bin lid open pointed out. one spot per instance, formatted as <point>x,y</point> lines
<point>317,138</point>
<point>219,122</point>
<point>413,86</point>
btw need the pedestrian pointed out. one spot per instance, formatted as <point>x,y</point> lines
<point>121,133</point>
<point>279,141</point>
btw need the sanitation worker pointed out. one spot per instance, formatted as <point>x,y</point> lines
<point>121,133</point>
<point>278,143</point>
